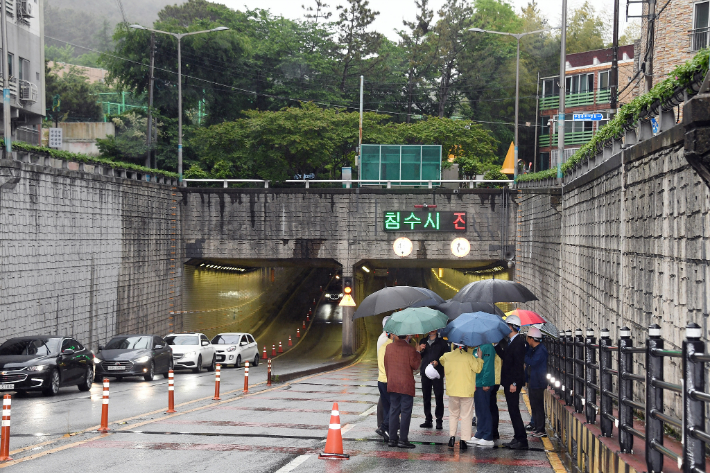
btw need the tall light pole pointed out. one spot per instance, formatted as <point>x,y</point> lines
<point>517,36</point>
<point>179,37</point>
<point>6,120</point>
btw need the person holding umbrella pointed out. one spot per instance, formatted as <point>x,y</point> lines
<point>431,348</point>
<point>512,379</point>
<point>383,406</point>
<point>536,363</point>
<point>460,368</point>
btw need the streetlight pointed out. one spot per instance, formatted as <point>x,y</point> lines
<point>517,82</point>
<point>179,37</point>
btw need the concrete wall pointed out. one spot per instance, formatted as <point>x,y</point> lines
<point>85,254</point>
<point>626,244</point>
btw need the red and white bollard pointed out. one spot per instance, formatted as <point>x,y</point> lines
<point>263,356</point>
<point>171,392</point>
<point>304,324</point>
<point>298,333</point>
<point>308,319</point>
<point>216,382</point>
<point>290,343</point>
<point>268,374</point>
<point>5,432</point>
<point>281,348</point>
<point>104,409</point>
<point>273,350</point>
<point>246,376</point>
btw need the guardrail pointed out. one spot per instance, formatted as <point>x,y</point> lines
<point>577,377</point>
<point>348,183</point>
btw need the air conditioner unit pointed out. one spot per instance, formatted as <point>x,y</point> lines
<point>26,8</point>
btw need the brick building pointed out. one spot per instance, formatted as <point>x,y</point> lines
<point>587,77</point>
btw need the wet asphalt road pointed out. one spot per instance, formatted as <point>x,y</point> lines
<point>279,428</point>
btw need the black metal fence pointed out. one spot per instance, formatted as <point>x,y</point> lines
<point>581,371</point>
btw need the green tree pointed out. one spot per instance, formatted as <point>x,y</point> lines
<point>78,102</point>
<point>585,30</point>
<point>632,32</point>
<point>129,142</point>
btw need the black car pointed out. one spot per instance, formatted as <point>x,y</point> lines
<point>134,355</point>
<point>334,292</point>
<point>45,363</point>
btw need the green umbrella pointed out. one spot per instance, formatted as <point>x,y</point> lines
<point>415,320</point>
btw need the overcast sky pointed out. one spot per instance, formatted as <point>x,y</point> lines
<point>392,12</point>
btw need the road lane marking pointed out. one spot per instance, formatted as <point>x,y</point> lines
<point>552,456</point>
<point>369,411</point>
<point>293,464</point>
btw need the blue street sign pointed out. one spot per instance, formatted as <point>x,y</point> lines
<point>585,117</point>
<point>654,126</point>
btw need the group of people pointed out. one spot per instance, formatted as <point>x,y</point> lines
<point>473,377</point>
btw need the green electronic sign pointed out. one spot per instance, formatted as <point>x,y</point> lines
<point>424,221</point>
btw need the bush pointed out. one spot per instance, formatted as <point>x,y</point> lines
<point>494,175</point>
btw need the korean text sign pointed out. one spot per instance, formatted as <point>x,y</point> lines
<point>424,221</point>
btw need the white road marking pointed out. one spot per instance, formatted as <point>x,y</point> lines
<point>369,411</point>
<point>293,464</point>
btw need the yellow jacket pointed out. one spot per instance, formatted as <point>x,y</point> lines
<point>498,366</point>
<point>382,377</point>
<point>460,368</point>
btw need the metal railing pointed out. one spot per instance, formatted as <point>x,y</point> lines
<point>698,38</point>
<point>579,379</point>
<point>571,138</point>
<point>349,183</point>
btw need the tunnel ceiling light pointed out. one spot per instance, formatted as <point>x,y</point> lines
<point>366,269</point>
<point>202,264</point>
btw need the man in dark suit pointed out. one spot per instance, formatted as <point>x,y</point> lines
<point>431,348</point>
<point>512,379</point>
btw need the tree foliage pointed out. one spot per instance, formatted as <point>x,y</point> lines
<point>76,95</point>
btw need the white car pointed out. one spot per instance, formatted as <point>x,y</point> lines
<point>234,348</point>
<point>192,351</point>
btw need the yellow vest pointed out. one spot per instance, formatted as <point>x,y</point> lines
<point>382,377</point>
<point>498,366</point>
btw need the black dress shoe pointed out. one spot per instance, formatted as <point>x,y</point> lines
<point>474,422</point>
<point>392,444</point>
<point>439,425</point>
<point>519,445</point>
<point>426,425</point>
<point>384,434</point>
<point>407,444</point>
<point>463,445</point>
<point>452,442</point>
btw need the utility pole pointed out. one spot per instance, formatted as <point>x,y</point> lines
<point>517,99</point>
<point>614,76</point>
<point>650,32</point>
<point>359,147</point>
<point>149,135</point>
<point>7,125</point>
<point>537,115</point>
<point>563,85</point>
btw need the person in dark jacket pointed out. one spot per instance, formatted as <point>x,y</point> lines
<point>536,365</point>
<point>512,380</point>
<point>431,348</point>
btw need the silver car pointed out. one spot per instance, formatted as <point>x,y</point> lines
<point>233,348</point>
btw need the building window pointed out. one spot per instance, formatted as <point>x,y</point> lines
<point>24,69</point>
<point>699,35</point>
<point>543,161</point>
<point>550,87</point>
<point>10,61</point>
<point>604,80</point>
<point>580,83</point>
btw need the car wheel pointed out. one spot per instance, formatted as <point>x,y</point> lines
<point>150,375</point>
<point>166,375</point>
<point>213,366</point>
<point>85,384</point>
<point>239,361</point>
<point>53,387</point>
<point>198,368</point>
<point>256,360</point>
<point>21,394</point>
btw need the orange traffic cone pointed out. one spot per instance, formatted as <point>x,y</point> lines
<point>298,333</point>
<point>263,356</point>
<point>281,348</point>
<point>290,343</point>
<point>334,443</point>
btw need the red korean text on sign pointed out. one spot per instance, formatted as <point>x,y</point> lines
<point>460,223</point>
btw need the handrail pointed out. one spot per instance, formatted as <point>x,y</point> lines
<point>349,182</point>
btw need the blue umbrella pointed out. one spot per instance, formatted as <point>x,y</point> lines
<point>477,328</point>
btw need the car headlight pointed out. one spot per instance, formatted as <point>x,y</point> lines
<point>231,348</point>
<point>141,359</point>
<point>98,360</point>
<point>340,295</point>
<point>190,353</point>
<point>36,368</point>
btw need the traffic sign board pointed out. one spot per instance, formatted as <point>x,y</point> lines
<point>55,137</point>
<point>594,117</point>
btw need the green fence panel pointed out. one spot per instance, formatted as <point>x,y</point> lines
<point>395,162</point>
<point>370,162</point>
<point>431,162</point>
<point>411,164</point>
<point>390,163</point>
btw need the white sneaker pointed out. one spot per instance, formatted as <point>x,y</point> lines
<point>486,443</point>
<point>475,440</point>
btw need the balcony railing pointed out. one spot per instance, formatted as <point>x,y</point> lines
<point>576,100</point>
<point>699,38</point>
<point>574,138</point>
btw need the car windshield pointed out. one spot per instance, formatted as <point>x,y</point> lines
<point>129,343</point>
<point>226,340</point>
<point>183,340</point>
<point>36,347</point>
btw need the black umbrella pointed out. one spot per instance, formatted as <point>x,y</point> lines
<point>453,308</point>
<point>494,290</point>
<point>432,300</point>
<point>392,298</point>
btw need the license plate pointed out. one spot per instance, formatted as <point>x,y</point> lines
<point>115,368</point>
<point>7,386</point>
